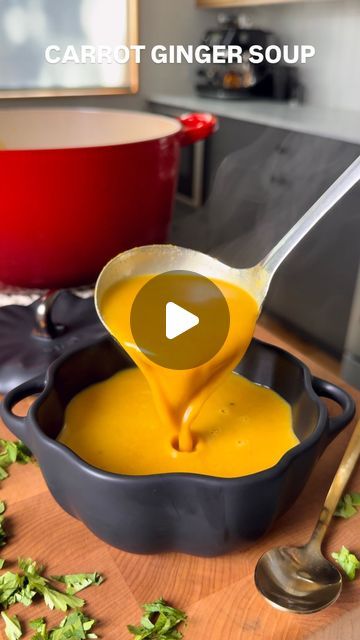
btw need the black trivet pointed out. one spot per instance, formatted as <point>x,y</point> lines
<point>32,337</point>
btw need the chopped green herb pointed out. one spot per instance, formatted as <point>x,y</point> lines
<point>25,585</point>
<point>3,535</point>
<point>11,452</point>
<point>346,507</point>
<point>355,497</point>
<point>30,567</point>
<point>10,584</point>
<point>54,599</point>
<point>159,622</point>
<point>3,473</point>
<point>39,625</point>
<point>25,595</point>
<point>78,581</point>
<point>24,454</point>
<point>75,626</point>
<point>8,453</point>
<point>347,561</point>
<point>12,627</point>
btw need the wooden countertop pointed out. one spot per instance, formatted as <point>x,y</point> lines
<point>218,594</point>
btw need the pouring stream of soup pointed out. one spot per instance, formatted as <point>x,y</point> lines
<point>180,394</point>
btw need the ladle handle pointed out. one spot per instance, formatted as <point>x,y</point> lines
<point>343,184</point>
<point>338,485</point>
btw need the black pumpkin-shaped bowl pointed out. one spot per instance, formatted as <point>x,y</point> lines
<point>195,514</point>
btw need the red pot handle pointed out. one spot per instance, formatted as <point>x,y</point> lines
<point>197,126</point>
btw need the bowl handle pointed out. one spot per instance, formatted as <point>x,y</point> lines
<point>331,391</point>
<point>15,423</point>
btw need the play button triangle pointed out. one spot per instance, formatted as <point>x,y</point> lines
<point>178,320</point>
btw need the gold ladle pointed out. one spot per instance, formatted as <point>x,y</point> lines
<point>300,579</point>
<point>154,259</point>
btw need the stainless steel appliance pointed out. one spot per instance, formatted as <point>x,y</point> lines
<point>244,80</point>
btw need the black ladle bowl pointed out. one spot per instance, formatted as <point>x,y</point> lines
<point>195,514</point>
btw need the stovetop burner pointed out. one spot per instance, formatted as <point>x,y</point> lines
<point>33,336</point>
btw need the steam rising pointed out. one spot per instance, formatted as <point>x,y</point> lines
<point>259,192</point>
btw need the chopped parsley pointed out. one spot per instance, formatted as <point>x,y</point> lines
<point>28,582</point>
<point>13,629</point>
<point>24,454</point>
<point>159,622</point>
<point>348,505</point>
<point>39,625</point>
<point>78,581</point>
<point>75,626</point>
<point>11,452</point>
<point>24,585</point>
<point>347,561</point>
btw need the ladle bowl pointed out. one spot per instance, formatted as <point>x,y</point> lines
<point>156,259</point>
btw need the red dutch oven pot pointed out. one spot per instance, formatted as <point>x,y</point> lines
<point>80,186</point>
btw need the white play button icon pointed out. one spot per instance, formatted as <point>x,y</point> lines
<point>178,320</point>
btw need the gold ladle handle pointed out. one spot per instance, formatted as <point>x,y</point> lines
<point>338,485</point>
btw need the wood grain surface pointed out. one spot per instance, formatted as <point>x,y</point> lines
<point>218,594</point>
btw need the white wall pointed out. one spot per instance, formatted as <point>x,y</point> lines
<point>333,27</point>
<point>171,22</point>
<point>332,77</point>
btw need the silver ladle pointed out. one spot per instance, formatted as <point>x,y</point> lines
<point>291,578</point>
<point>300,579</point>
<point>154,259</point>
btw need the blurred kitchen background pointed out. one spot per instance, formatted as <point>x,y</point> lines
<point>285,134</point>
